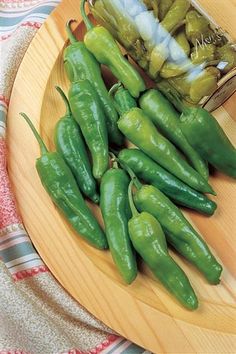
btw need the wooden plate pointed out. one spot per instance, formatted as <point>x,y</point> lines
<point>143,312</point>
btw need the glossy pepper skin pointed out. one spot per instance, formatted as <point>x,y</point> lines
<point>206,136</point>
<point>151,173</point>
<point>179,232</point>
<point>149,241</point>
<point>116,213</point>
<point>102,45</point>
<point>175,14</point>
<point>164,6</point>
<point>61,186</point>
<point>80,64</point>
<point>165,117</point>
<point>86,110</point>
<point>122,99</point>
<point>140,130</point>
<point>70,145</point>
<point>197,26</point>
<point>227,54</point>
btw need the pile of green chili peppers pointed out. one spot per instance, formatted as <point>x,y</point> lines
<point>138,189</point>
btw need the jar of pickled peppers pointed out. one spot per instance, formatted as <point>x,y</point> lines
<point>185,53</point>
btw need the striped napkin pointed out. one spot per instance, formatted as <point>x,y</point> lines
<point>37,316</point>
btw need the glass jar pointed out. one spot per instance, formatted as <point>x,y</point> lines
<point>187,55</point>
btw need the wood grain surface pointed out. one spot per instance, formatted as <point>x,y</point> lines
<point>143,312</point>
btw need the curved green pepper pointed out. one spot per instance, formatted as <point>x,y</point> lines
<point>164,6</point>
<point>126,30</point>
<point>86,110</point>
<point>204,84</point>
<point>122,99</point>
<point>80,64</point>
<point>227,55</point>
<point>103,46</point>
<point>203,53</point>
<point>197,27</point>
<point>165,117</point>
<point>61,186</point>
<point>158,57</point>
<point>149,241</point>
<point>150,172</point>
<point>70,145</point>
<point>196,84</point>
<point>179,232</point>
<point>175,14</point>
<point>208,138</point>
<point>140,130</point>
<point>116,213</point>
<point>171,69</point>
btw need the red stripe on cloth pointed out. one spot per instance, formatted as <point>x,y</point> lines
<point>104,345</point>
<point>15,351</point>
<point>8,212</point>
<point>31,24</point>
<point>4,100</point>
<point>29,273</point>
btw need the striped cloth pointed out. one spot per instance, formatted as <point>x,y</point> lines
<point>37,316</point>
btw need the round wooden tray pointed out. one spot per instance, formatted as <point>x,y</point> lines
<point>143,312</point>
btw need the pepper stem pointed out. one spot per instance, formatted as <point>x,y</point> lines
<point>70,35</point>
<point>131,173</point>
<point>87,22</point>
<point>42,146</point>
<point>131,200</point>
<point>65,99</point>
<point>114,160</point>
<point>113,90</point>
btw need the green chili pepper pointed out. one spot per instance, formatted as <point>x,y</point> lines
<point>204,84</point>
<point>227,55</point>
<point>70,145</point>
<point>80,64</point>
<point>164,6</point>
<point>149,241</point>
<point>103,46</point>
<point>203,53</point>
<point>116,213</point>
<point>175,14</point>
<point>165,117</point>
<point>103,16</point>
<point>196,84</point>
<point>61,186</point>
<point>197,27</point>
<point>179,232</point>
<point>125,26</point>
<point>150,172</point>
<point>158,57</point>
<point>208,138</point>
<point>172,69</point>
<point>122,99</point>
<point>140,130</point>
<point>86,110</point>
<point>179,46</point>
<point>181,83</point>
